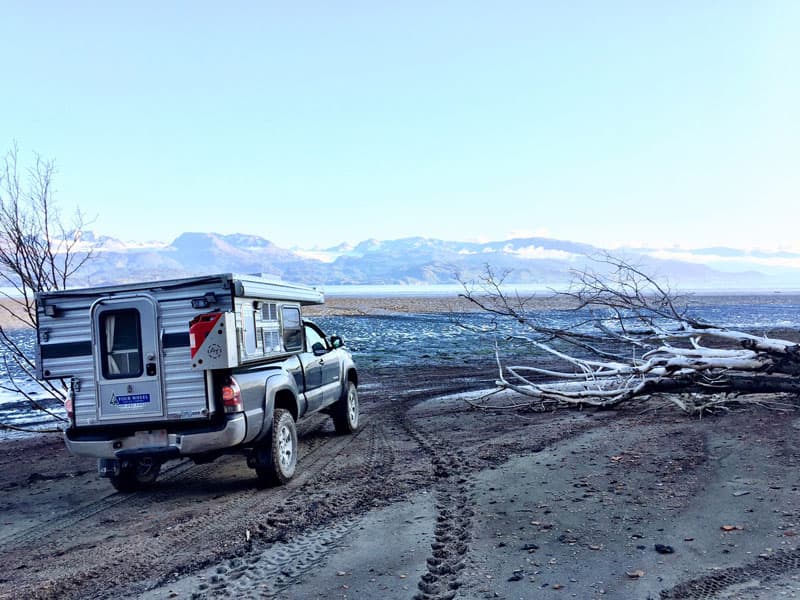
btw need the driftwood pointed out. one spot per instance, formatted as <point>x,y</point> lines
<point>636,338</point>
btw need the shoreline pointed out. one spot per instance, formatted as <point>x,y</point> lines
<point>429,303</point>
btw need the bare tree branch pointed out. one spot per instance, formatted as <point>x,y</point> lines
<point>632,337</point>
<point>37,253</point>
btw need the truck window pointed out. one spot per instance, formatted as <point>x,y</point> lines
<point>313,337</point>
<point>292,329</point>
<point>121,343</point>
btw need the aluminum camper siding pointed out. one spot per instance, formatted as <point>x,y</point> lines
<point>65,350</point>
<point>65,338</point>
<point>65,341</point>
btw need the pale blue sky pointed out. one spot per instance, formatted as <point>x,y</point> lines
<point>314,123</point>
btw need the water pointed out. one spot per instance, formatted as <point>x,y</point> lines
<point>437,339</point>
<point>407,339</point>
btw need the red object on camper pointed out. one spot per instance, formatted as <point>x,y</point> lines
<point>200,327</point>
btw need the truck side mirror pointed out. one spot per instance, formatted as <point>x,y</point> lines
<point>336,342</point>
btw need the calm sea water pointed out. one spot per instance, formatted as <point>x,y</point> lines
<point>437,339</point>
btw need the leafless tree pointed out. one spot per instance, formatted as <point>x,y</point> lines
<point>632,337</point>
<point>37,253</point>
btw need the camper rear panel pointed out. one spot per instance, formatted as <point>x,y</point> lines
<point>90,340</point>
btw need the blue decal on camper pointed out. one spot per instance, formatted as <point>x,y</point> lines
<point>130,399</point>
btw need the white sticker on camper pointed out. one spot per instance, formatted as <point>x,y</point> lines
<point>131,399</point>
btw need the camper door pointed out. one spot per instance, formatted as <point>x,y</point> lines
<point>127,359</point>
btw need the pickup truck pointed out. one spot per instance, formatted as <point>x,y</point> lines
<point>197,368</point>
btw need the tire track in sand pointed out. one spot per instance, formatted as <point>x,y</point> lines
<point>166,551</point>
<point>268,569</point>
<point>70,518</point>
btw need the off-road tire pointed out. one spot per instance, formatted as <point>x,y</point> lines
<point>139,475</point>
<point>280,462</point>
<point>345,412</point>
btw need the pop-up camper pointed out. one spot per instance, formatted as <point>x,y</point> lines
<point>194,367</point>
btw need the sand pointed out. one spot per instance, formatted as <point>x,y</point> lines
<point>430,500</point>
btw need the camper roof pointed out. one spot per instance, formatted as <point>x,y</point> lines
<point>242,285</point>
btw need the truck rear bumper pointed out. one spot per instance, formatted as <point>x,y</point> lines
<point>155,443</point>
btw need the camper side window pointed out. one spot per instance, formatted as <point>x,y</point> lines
<point>292,329</point>
<point>121,343</point>
<point>270,327</point>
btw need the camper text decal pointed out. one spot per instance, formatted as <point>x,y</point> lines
<point>130,399</point>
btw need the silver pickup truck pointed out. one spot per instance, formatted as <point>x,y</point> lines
<point>197,368</point>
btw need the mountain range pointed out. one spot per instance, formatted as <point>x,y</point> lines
<point>418,260</point>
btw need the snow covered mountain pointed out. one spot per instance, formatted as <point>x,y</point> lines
<point>419,260</point>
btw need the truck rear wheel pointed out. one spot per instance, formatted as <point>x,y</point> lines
<point>278,466</point>
<point>346,410</point>
<point>136,475</point>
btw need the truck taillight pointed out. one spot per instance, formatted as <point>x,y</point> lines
<point>232,396</point>
<point>69,409</point>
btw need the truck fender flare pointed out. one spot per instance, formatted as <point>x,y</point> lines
<point>349,371</point>
<point>274,385</point>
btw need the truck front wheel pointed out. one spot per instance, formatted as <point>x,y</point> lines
<point>136,475</point>
<point>278,466</point>
<point>345,412</point>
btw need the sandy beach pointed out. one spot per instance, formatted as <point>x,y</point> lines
<point>429,500</point>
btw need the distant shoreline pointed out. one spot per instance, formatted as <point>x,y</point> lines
<point>525,289</point>
<point>337,304</point>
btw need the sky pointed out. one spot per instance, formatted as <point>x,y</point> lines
<point>671,124</point>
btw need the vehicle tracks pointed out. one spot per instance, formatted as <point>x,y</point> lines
<point>331,497</point>
<point>73,517</point>
<point>452,464</point>
<point>715,584</point>
<point>281,555</point>
<point>190,524</point>
<point>212,521</point>
<point>453,528</point>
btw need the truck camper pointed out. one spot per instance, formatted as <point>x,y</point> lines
<point>196,367</point>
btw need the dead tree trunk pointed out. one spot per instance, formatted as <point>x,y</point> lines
<point>637,338</point>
